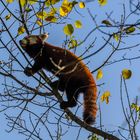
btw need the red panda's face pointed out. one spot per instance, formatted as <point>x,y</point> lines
<point>29,41</point>
<point>33,44</point>
<point>32,40</point>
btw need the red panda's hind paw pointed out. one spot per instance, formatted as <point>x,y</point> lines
<point>63,105</point>
<point>28,71</point>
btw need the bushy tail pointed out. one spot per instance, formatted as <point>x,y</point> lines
<point>90,106</point>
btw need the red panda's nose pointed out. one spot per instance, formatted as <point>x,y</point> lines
<point>20,42</point>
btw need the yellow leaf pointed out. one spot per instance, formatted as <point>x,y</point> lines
<point>105,97</point>
<point>102,2</point>
<point>116,37</point>
<point>130,30</point>
<point>78,24</point>
<point>72,44</point>
<point>68,29</point>
<point>65,8</point>
<point>126,74</point>
<point>65,2</point>
<point>51,15</point>
<point>32,1</point>
<point>99,74</point>
<point>51,2</point>
<point>63,11</point>
<point>135,106</point>
<point>8,17</point>
<point>106,22</point>
<point>21,30</point>
<point>9,1</point>
<point>23,2</point>
<point>81,5</point>
<point>52,12</point>
<point>51,19</point>
<point>41,15</point>
<point>39,22</point>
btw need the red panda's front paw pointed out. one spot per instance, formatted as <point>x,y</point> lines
<point>28,71</point>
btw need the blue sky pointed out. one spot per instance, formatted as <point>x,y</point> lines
<point>112,115</point>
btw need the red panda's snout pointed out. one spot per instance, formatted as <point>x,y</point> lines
<point>23,43</point>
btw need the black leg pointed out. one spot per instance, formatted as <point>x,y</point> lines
<point>72,96</point>
<point>58,85</point>
<point>35,68</point>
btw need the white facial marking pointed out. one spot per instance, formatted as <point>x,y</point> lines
<point>30,40</point>
<point>24,41</point>
<point>33,40</point>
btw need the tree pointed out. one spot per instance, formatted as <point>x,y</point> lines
<point>105,43</point>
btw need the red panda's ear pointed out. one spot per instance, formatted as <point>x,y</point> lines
<point>44,36</point>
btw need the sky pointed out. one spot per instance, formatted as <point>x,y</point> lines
<point>112,114</point>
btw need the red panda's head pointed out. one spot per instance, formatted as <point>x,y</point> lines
<point>32,44</point>
<point>32,40</point>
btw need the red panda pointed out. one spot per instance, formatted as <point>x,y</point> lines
<point>73,75</point>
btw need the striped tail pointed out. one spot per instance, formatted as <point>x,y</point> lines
<point>90,106</point>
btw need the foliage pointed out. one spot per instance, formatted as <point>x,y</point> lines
<point>81,5</point>
<point>106,22</point>
<point>9,1</point>
<point>68,29</point>
<point>102,2</point>
<point>105,97</point>
<point>135,106</point>
<point>21,30</point>
<point>107,41</point>
<point>99,74</point>
<point>126,73</point>
<point>78,24</point>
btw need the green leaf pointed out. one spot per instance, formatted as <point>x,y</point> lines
<point>28,10</point>
<point>68,29</point>
<point>94,137</point>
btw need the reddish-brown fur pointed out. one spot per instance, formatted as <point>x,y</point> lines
<point>74,76</point>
